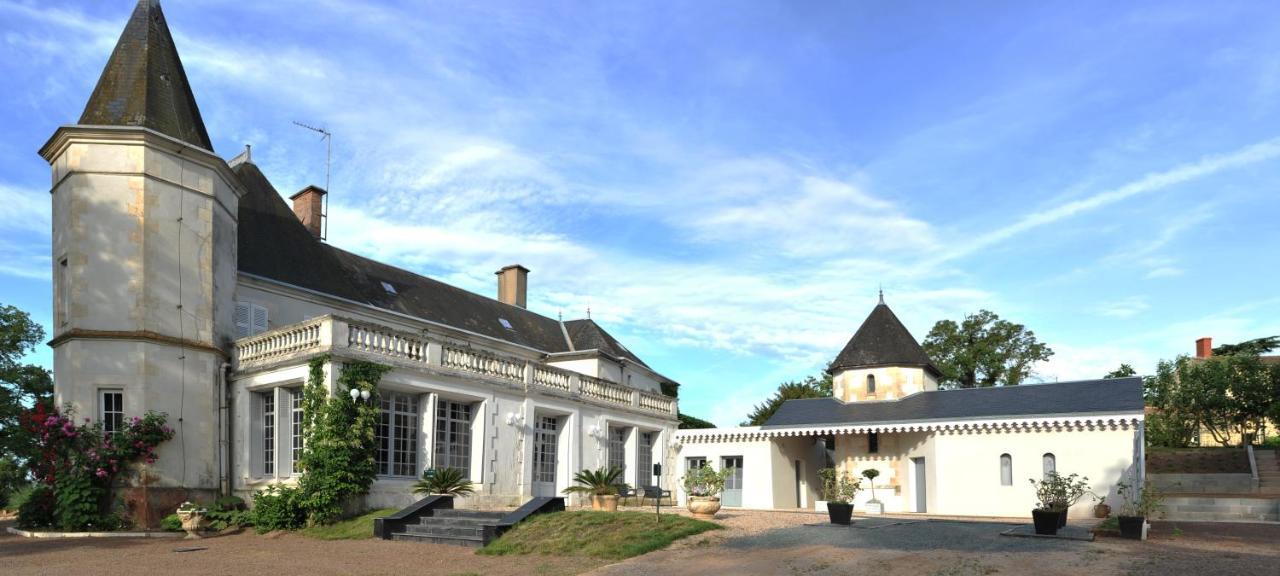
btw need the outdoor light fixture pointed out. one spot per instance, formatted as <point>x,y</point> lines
<point>364,395</point>
<point>514,419</point>
<point>355,394</point>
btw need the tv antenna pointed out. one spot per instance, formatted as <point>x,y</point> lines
<point>327,136</point>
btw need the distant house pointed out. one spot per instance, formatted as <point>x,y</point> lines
<point>955,452</point>
<point>184,284</point>
<point>1204,349</point>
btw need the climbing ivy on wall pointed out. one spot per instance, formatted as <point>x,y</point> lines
<point>339,444</point>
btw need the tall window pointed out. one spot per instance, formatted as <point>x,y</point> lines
<point>645,459</point>
<point>544,450</point>
<point>111,410</point>
<point>397,435</point>
<point>618,449</point>
<point>295,428</point>
<point>1006,470</point>
<point>871,383</point>
<point>453,435</point>
<point>63,292</point>
<point>873,443</point>
<point>1050,463</point>
<point>250,319</point>
<point>268,432</point>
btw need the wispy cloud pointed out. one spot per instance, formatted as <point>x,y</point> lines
<point>1124,308</point>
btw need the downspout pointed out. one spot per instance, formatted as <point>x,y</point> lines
<point>224,433</point>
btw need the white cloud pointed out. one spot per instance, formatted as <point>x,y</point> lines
<point>24,210</point>
<point>1124,308</point>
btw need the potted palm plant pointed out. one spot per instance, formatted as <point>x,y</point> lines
<point>601,484</point>
<point>444,482</point>
<point>702,487</point>
<point>838,489</point>
<point>1136,507</point>
<point>873,505</point>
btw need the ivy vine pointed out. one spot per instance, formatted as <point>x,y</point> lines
<point>339,444</point>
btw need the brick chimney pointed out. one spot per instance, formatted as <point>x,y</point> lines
<point>513,283</point>
<point>1204,347</point>
<point>308,205</point>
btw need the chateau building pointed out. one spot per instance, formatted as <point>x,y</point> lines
<point>184,284</point>
<point>967,452</point>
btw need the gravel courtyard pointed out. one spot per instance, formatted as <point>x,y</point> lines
<point>751,543</point>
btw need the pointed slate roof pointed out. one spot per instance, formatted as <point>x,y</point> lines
<point>882,340</point>
<point>144,84</point>
<point>587,335</point>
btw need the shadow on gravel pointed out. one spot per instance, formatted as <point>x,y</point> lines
<point>906,537</point>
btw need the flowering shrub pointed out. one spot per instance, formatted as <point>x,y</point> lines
<point>77,464</point>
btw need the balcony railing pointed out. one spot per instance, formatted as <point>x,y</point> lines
<point>410,350</point>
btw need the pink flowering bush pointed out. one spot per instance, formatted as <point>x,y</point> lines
<point>77,464</point>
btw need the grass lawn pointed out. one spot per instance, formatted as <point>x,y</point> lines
<point>611,535</point>
<point>357,528</point>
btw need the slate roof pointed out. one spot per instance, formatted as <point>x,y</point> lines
<point>1083,397</point>
<point>882,340</point>
<point>274,244</point>
<point>144,84</point>
<point>587,335</point>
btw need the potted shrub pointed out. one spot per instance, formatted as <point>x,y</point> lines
<point>702,487</point>
<point>601,484</point>
<point>193,519</point>
<point>1056,494</point>
<point>444,482</point>
<point>1044,516</point>
<point>1101,509</point>
<point>1136,508</point>
<point>838,489</point>
<point>873,505</point>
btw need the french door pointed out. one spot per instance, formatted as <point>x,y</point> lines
<point>732,495</point>
<point>545,440</point>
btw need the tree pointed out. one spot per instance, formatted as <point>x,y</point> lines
<point>1124,371</point>
<point>811,387</point>
<point>983,350</point>
<point>21,385</point>
<point>1255,347</point>
<point>1220,395</point>
<point>688,422</point>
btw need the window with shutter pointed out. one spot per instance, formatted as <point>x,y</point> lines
<point>242,320</point>
<point>251,319</point>
<point>259,314</point>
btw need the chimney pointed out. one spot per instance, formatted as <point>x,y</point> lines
<point>308,205</point>
<point>1204,347</point>
<point>513,283</point>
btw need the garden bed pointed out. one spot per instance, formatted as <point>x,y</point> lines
<point>1204,460</point>
<point>610,535</point>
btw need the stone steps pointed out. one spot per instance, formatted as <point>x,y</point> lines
<point>448,526</point>
<point>1221,509</point>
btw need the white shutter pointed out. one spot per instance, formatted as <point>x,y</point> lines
<point>242,320</point>
<point>259,314</point>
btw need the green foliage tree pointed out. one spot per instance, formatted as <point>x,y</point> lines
<point>1255,347</point>
<point>1124,371</point>
<point>1220,394</point>
<point>811,387</point>
<point>983,350</point>
<point>21,387</point>
<point>688,422</point>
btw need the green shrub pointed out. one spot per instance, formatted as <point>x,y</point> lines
<point>278,508</point>
<point>227,503</point>
<point>223,519</point>
<point>171,523</point>
<point>36,506</point>
<point>1272,442</point>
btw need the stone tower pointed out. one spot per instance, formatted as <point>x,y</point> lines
<point>881,362</point>
<point>144,260</point>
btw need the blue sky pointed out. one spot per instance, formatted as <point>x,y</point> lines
<point>727,184</point>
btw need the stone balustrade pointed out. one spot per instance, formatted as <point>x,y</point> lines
<point>331,334</point>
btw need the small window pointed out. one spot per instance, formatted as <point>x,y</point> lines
<point>505,323</point>
<point>1050,463</point>
<point>111,411</point>
<point>63,290</point>
<point>251,319</point>
<point>1006,470</point>
<point>268,432</point>
<point>871,383</point>
<point>695,462</point>
<point>873,443</point>
<point>389,288</point>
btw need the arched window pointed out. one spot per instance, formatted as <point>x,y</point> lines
<point>1006,470</point>
<point>871,383</point>
<point>1050,463</point>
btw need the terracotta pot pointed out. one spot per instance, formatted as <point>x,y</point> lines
<point>704,507</point>
<point>604,502</point>
<point>1102,511</point>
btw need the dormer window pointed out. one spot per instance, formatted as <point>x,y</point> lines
<point>871,383</point>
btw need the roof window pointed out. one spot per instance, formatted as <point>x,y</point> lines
<point>389,288</point>
<point>505,323</point>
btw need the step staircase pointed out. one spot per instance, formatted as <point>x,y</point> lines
<point>1268,471</point>
<point>449,526</point>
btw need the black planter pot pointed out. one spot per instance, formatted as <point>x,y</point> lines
<point>840,513</point>
<point>1046,521</point>
<point>1131,526</point>
<point>1062,518</point>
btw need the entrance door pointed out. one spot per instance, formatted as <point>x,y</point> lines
<point>732,495</point>
<point>544,456</point>
<point>921,486</point>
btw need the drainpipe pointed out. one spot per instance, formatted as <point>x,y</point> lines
<point>224,433</point>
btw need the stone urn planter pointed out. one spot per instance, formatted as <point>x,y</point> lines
<point>875,507</point>
<point>604,502</point>
<point>704,507</point>
<point>194,521</point>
